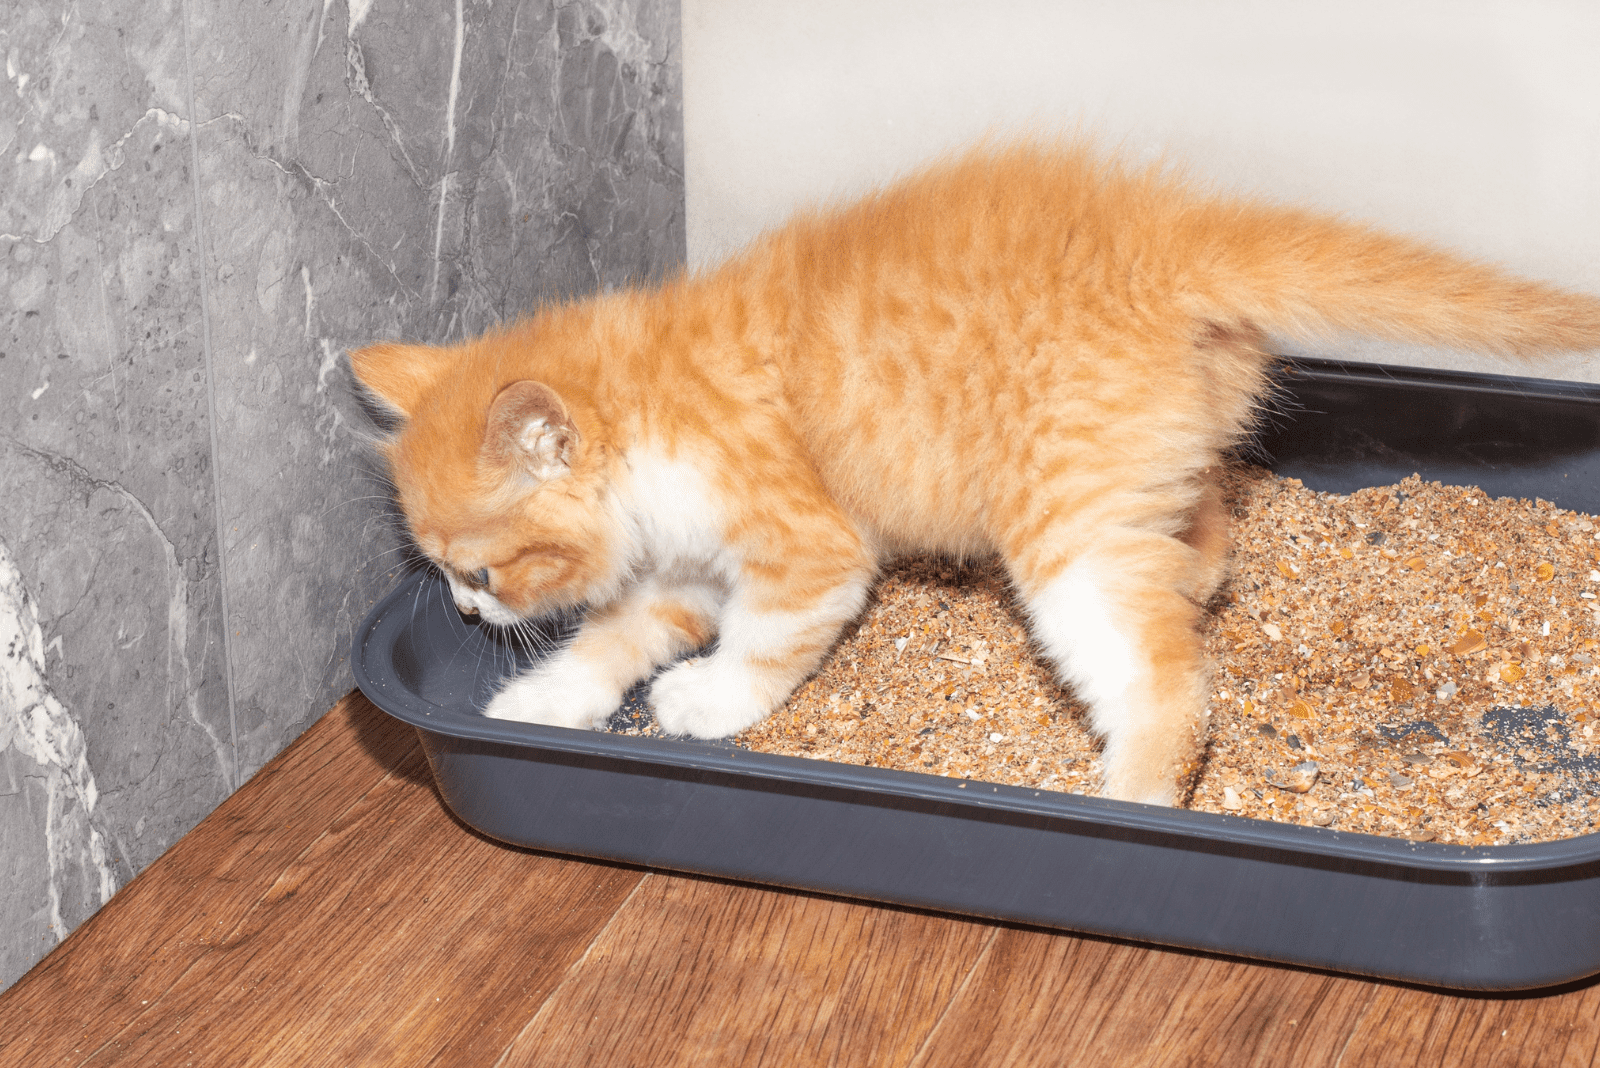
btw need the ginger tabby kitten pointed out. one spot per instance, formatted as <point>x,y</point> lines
<point>1027,351</point>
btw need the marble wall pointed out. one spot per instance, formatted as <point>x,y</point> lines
<point>202,204</point>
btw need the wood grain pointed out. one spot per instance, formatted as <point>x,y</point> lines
<point>1418,1027</point>
<point>373,929</point>
<point>333,912</point>
<point>698,971</point>
<point>1096,1001</point>
<point>151,933</point>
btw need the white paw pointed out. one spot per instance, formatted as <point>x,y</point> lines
<point>562,691</point>
<point>707,698</point>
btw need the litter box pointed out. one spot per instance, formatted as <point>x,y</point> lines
<point>1485,918</point>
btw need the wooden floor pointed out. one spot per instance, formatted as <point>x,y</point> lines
<point>333,913</point>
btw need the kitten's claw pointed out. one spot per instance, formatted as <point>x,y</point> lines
<point>562,692</point>
<point>707,698</point>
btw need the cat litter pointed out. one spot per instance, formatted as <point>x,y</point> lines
<point>1414,660</point>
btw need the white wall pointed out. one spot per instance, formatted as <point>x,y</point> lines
<point>1471,123</point>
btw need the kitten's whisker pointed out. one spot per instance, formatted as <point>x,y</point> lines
<point>405,562</point>
<point>469,630</point>
<point>416,597</point>
<point>355,500</point>
<point>409,558</point>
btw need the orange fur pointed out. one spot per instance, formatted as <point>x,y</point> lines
<point>1029,351</point>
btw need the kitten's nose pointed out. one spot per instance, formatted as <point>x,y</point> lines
<point>466,609</point>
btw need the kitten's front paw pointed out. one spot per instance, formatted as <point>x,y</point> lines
<point>562,692</point>
<point>707,698</point>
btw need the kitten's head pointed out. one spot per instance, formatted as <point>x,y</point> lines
<point>502,480</point>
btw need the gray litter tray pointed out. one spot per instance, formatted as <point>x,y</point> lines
<point>1490,918</point>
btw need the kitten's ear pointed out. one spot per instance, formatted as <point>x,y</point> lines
<point>529,428</point>
<point>398,375</point>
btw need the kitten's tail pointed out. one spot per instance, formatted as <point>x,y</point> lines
<point>1310,276</point>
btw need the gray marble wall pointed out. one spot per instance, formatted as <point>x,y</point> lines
<point>202,204</point>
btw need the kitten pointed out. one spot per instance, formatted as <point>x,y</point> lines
<point>1026,351</point>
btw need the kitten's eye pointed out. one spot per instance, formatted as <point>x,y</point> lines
<point>479,577</point>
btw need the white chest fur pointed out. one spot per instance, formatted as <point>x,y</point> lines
<point>669,517</point>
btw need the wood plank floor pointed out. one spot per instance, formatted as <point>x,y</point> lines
<point>333,913</point>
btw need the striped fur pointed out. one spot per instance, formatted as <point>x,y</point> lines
<point>1028,351</point>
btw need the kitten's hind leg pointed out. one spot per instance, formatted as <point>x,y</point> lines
<point>582,683</point>
<point>1208,536</point>
<point>1119,622</point>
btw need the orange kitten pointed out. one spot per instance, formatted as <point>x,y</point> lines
<point>1027,352</point>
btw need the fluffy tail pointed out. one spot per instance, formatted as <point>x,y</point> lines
<point>1309,276</point>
